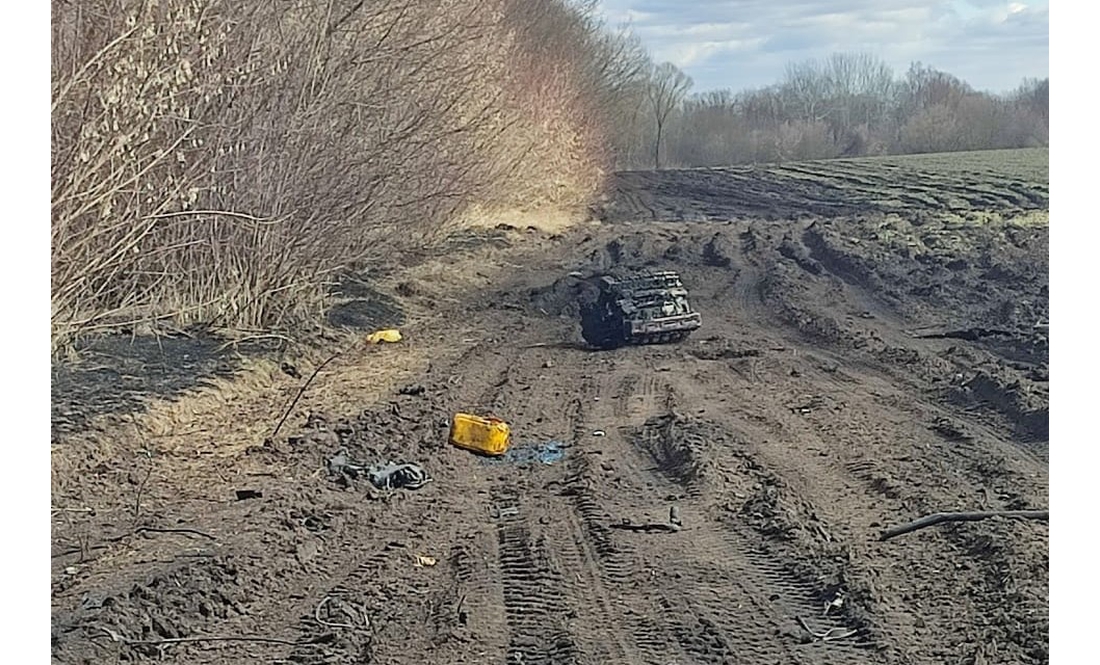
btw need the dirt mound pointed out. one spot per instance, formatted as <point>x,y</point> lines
<point>182,602</point>
<point>1027,410</point>
<point>566,296</point>
<point>362,306</point>
<point>684,449</point>
<point>719,251</point>
<point>678,447</point>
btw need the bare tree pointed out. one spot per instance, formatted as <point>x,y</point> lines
<point>667,88</point>
<point>846,90</point>
<point>926,87</point>
<point>806,87</point>
<point>1034,94</point>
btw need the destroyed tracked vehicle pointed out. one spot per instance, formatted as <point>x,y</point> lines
<point>646,308</point>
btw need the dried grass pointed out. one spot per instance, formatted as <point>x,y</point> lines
<point>191,438</point>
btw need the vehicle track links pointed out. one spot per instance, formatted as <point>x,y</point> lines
<point>642,308</point>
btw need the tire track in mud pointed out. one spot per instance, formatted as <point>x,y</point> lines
<point>893,481</point>
<point>792,597</point>
<point>913,185</point>
<point>344,606</point>
<point>826,189</point>
<point>614,569</point>
<point>620,574</point>
<point>534,598</point>
<point>557,607</point>
<point>571,588</point>
<point>635,395</point>
<point>585,546</point>
<point>725,598</point>
<point>623,393</point>
<point>534,605</point>
<point>687,605</point>
<point>475,379</point>
<point>733,561</point>
<point>479,609</point>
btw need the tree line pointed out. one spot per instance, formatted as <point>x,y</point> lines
<point>846,105</point>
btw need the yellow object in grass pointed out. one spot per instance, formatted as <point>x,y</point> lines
<point>489,436</point>
<point>389,335</point>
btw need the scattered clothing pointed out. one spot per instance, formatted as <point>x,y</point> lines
<point>395,476</point>
<point>389,476</point>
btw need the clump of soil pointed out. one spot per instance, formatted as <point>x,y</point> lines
<point>174,603</point>
<point>677,445</point>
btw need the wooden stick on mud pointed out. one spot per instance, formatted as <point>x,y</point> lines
<point>242,638</point>
<point>301,391</point>
<point>85,548</point>
<point>140,489</point>
<point>150,529</point>
<point>939,518</point>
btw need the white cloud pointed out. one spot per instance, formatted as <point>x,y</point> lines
<point>686,55</point>
<point>723,43</point>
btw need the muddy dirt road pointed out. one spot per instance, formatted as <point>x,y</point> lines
<point>852,373</point>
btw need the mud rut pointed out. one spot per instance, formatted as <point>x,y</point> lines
<point>544,575</point>
<point>787,433</point>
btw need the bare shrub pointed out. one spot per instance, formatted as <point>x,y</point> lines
<point>934,129</point>
<point>804,140</point>
<point>217,162</point>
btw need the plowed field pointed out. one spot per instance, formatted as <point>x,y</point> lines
<point>873,349</point>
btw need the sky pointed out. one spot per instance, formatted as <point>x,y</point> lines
<point>738,44</point>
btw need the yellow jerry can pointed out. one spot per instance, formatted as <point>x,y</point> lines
<point>484,435</point>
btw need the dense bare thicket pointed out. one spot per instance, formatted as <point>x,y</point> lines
<point>847,105</point>
<point>571,77</point>
<point>217,162</point>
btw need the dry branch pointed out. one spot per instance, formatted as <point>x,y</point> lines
<point>229,638</point>
<point>196,532</point>
<point>301,391</point>
<point>940,518</point>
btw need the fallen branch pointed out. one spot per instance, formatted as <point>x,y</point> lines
<point>231,638</point>
<point>78,550</point>
<point>140,529</point>
<point>939,518</point>
<point>143,529</point>
<point>647,528</point>
<point>301,391</point>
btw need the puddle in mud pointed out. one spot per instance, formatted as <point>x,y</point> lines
<point>547,452</point>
